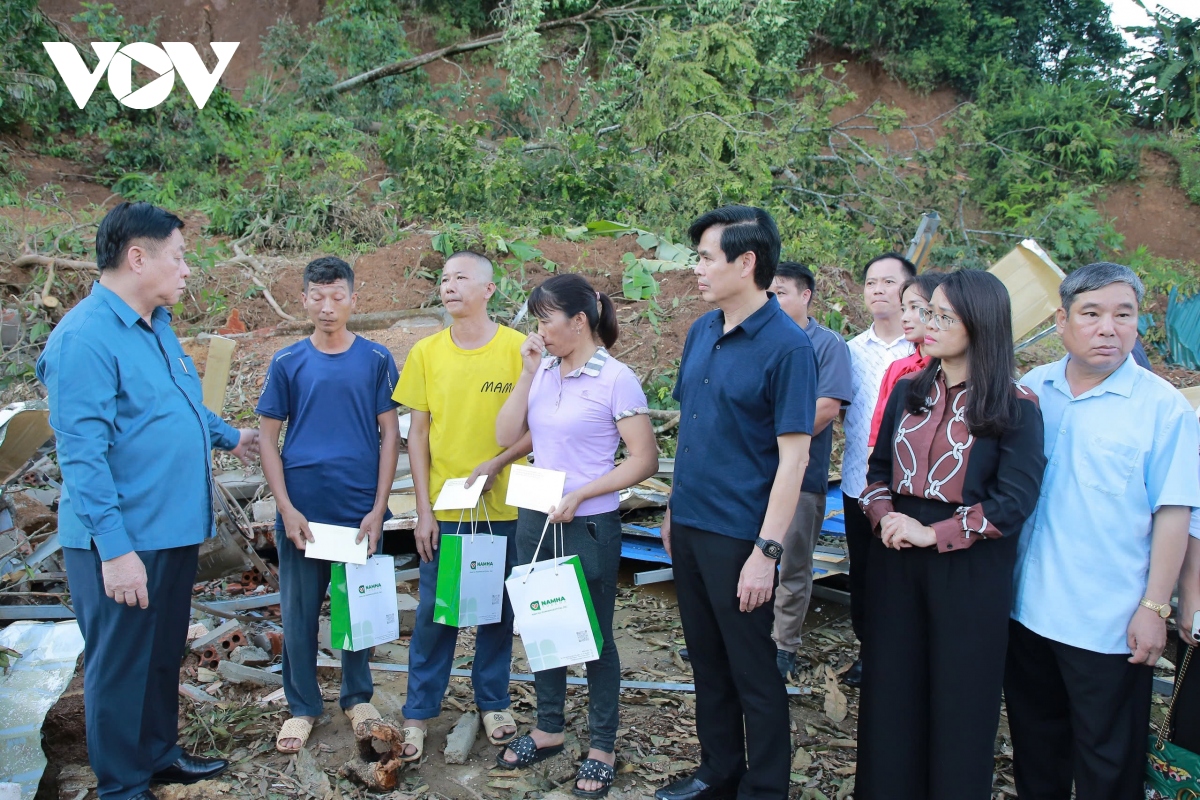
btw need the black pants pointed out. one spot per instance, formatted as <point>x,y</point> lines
<point>131,666</point>
<point>933,668</point>
<point>1075,715</point>
<point>741,703</point>
<point>596,539</point>
<point>858,543</point>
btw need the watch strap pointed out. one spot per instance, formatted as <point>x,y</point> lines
<point>1157,608</point>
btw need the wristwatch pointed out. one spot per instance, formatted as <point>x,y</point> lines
<point>1162,609</point>
<point>772,550</point>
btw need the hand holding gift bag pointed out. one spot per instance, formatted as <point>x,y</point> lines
<point>470,576</point>
<point>553,610</point>
<point>362,604</point>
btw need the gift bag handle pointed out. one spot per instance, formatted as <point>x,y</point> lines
<point>1166,723</point>
<point>554,536</point>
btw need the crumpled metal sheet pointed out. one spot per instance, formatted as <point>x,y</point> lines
<point>29,690</point>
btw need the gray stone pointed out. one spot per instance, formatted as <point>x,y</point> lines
<point>407,606</point>
<point>195,694</point>
<point>239,673</point>
<point>460,740</point>
<point>250,656</point>
<point>204,641</point>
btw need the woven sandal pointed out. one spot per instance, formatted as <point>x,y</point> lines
<point>593,770</point>
<point>493,720</point>
<point>294,728</point>
<point>361,713</point>
<point>416,737</point>
<point>527,752</point>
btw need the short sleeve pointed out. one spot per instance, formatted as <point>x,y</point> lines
<point>385,385</point>
<point>411,390</point>
<point>628,399</point>
<point>275,400</point>
<point>834,371</point>
<point>794,392</point>
<point>1172,477</point>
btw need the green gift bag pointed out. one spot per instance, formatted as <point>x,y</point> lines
<point>470,579</point>
<point>363,611</point>
<point>1172,773</point>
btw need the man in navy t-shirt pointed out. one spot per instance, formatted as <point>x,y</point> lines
<point>334,390</point>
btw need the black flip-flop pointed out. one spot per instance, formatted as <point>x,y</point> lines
<point>593,770</point>
<point>527,752</point>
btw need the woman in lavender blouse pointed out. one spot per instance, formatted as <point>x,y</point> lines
<point>579,403</point>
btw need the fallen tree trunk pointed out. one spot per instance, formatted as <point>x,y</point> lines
<point>593,14</point>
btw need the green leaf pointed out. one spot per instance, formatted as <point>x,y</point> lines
<point>606,227</point>
<point>524,251</point>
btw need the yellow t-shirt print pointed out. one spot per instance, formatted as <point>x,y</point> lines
<point>463,391</point>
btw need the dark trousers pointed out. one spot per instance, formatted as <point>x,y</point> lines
<point>131,666</point>
<point>1185,719</point>
<point>303,583</point>
<point>858,545</point>
<point>431,651</point>
<point>933,668</point>
<point>741,703</point>
<point>596,539</point>
<point>1075,715</point>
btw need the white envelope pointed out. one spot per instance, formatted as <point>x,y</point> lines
<point>535,489</point>
<point>335,543</point>
<point>455,494</point>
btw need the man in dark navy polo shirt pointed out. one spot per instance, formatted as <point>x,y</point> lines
<point>747,392</point>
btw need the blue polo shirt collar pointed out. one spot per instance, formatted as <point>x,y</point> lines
<point>753,323</point>
<point>123,310</point>
<point>1119,382</point>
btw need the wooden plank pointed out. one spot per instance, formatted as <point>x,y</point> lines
<point>216,372</point>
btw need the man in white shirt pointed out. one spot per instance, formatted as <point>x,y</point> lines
<point>871,353</point>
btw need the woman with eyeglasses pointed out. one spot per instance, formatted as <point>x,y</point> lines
<point>914,303</point>
<point>957,470</point>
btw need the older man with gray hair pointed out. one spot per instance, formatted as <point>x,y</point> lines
<point>1099,557</point>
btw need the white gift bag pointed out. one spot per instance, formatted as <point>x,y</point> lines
<point>362,604</point>
<point>553,610</point>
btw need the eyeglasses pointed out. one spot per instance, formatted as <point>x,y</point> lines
<point>939,321</point>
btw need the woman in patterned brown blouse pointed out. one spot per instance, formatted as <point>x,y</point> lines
<point>957,470</point>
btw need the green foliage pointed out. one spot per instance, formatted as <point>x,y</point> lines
<point>1166,78</point>
<point>930,42</point>
<point>25,70</point>
<point>1185,149</point>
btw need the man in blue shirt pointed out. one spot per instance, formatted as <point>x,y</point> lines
<point>334,391</point>
<point>1098,559</point>
<point>793,287</point>
<point>747,393</point>
<point>134,442</point>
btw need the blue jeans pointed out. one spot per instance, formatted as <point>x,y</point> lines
<point>303,583</point>
<point>431,653</point>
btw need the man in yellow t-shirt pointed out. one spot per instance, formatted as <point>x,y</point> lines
<point>455,382</point>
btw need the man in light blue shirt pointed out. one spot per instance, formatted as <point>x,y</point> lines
<point>134,441</point>
<point>1099,558</point>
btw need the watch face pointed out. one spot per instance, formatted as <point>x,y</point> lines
<point>772,549</point>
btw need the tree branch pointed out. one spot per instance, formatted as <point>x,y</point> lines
<point>593,14</point>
